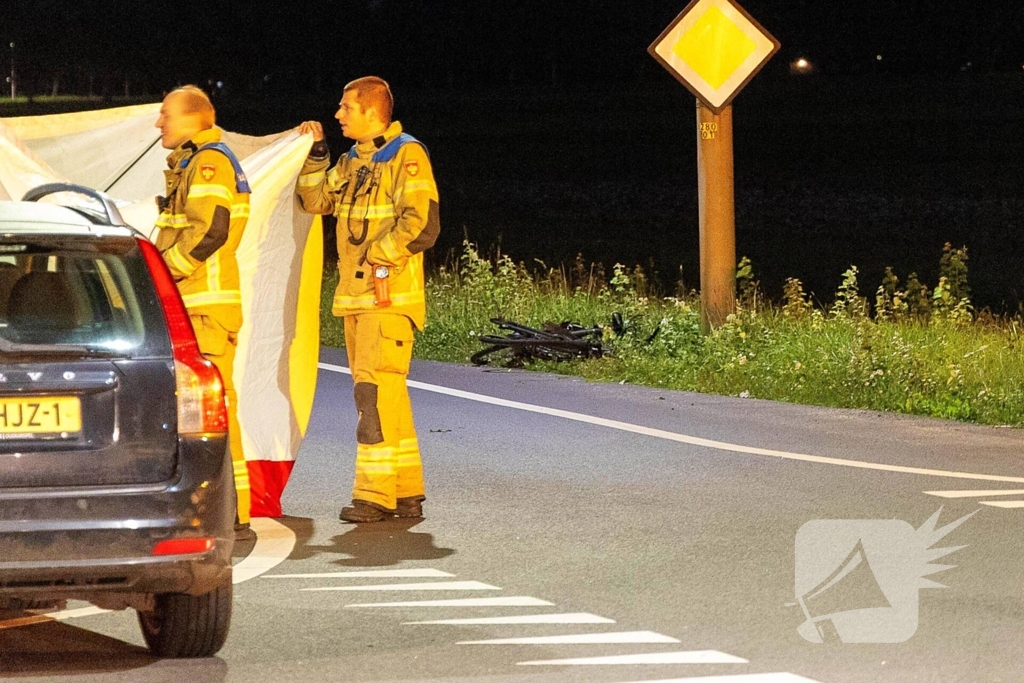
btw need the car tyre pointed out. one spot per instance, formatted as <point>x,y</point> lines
<point>183,625</point>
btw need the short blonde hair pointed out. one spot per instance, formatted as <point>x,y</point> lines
<point>372,91</point>
<point>195,101</point>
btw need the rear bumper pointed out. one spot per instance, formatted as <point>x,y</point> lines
<point>71,543</point>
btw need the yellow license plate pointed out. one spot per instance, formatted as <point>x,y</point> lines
<point>40,415</point>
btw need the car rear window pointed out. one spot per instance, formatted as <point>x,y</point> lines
<point>90,291</point>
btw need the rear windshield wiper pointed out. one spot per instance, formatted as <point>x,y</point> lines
<point>7,347</point>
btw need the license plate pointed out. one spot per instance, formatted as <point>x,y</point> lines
<point>38,415</point>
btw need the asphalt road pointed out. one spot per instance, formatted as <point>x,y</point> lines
<point>648,535</point>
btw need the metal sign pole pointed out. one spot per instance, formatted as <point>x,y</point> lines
<point>717,215</point>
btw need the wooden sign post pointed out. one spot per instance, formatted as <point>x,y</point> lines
<point>715,48</point>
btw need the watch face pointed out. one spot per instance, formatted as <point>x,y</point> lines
<point>380,271</point>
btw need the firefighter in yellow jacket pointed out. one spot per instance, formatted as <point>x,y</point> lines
<point>203,214</point>
<point>383,194</point>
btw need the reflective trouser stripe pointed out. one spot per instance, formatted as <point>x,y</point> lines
<point>390,469</point>
<point>225,364</point>
<point>376,475</point>
<point>410,467</point>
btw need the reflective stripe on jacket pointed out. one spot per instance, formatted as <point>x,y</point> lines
<point>385,199</point>
<point>200,226</point>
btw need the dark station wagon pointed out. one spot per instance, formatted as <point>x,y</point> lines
<point>115,482</point>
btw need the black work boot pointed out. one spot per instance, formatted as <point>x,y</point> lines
<point>410,507</point>
<point>243,532</point>
<point>360,512</point>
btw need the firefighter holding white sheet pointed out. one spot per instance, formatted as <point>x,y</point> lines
<point>202,217</point>
<point>383,193</point>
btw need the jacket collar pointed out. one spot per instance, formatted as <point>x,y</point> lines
<point>186,149</point>
<point>367,149</point>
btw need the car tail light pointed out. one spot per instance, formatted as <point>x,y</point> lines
<point>183,546</point>
<point>201,406</point>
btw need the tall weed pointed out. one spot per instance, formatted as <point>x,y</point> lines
<point>921,351</point>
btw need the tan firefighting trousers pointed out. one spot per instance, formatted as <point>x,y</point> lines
<point>388,463</point>
<point>218,346</point>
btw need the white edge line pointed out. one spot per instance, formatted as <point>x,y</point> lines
<point>683,438</point>
<point>274,543</point>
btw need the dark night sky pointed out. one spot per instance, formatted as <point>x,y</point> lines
<point>554,133</point>
<point>304,43</point>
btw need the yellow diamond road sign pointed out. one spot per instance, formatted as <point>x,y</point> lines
<point>714,48</point>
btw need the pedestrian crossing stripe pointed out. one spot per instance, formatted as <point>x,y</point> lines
<point>580,639</point>
<point>435,586</point>
<point>694,657</point>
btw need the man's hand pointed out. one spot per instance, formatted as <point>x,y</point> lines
<point>314,128</point>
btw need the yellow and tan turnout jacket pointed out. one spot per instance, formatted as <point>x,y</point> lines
<point>200,225</point>
<point>385,199</point>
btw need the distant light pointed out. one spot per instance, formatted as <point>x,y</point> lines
<point>801,66</point>
<point>220,84</point>
<point>878,57</point>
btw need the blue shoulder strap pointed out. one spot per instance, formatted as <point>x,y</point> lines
<point>390,150</point>
<point>241,183</point>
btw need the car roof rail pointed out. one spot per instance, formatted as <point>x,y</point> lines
<point>113,216</point>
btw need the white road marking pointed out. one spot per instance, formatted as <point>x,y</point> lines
<point>695,657</point>
<point>515,601</point>
<point>692,440</point>
<point>739,678</point>
<point>274,543</point>
<point>1008,504</point>
<point>436,586</point>
<point>580,639</point>
<point>976,494</point>
<point>574,618</point>
<point>373,574</point>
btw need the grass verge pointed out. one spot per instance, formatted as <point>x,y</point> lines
<point>914,350</point>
